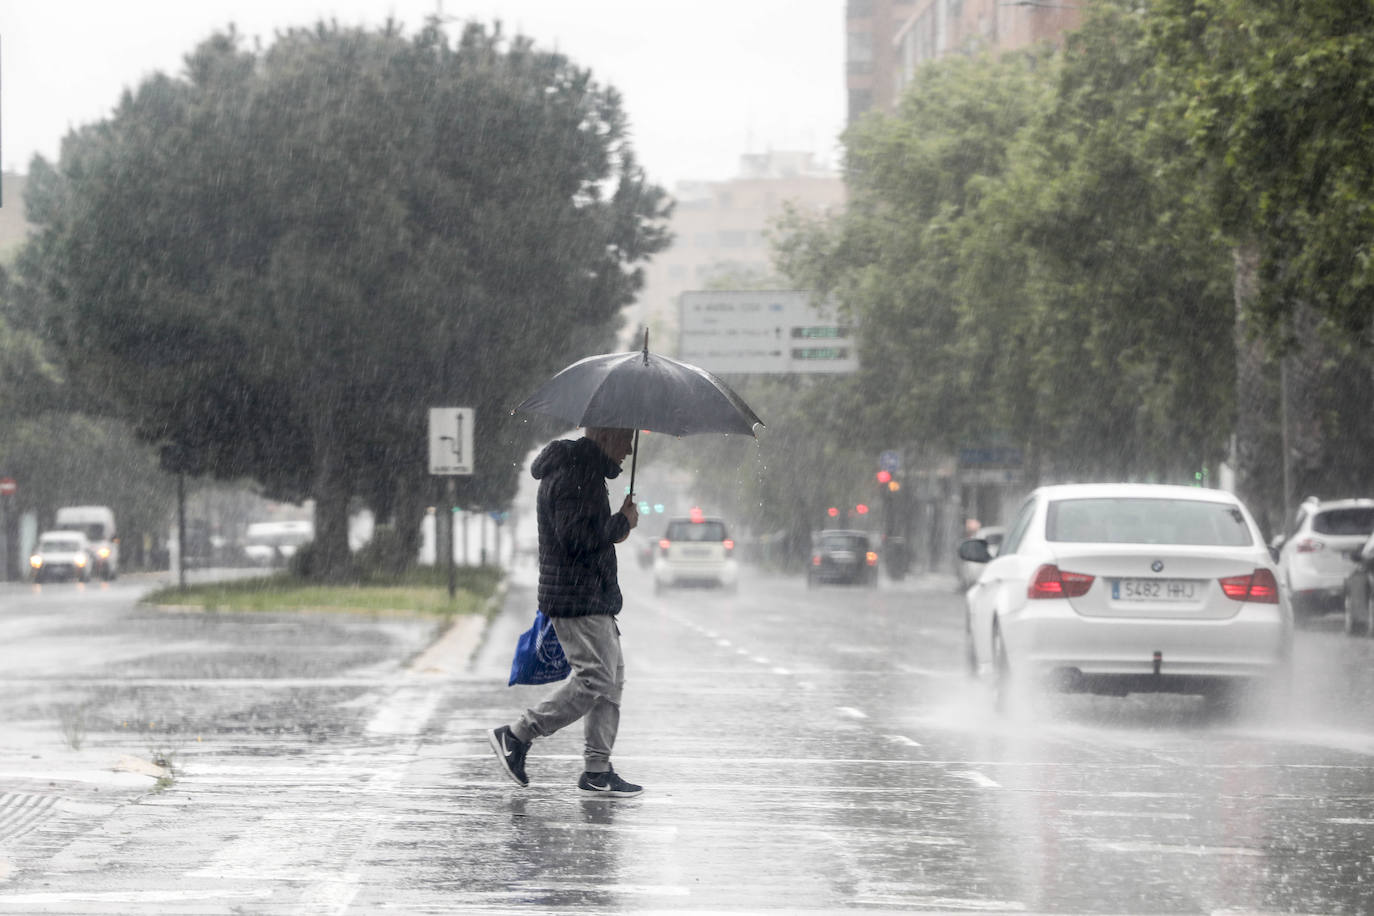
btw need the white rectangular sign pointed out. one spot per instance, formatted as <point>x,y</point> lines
<point>450,440</point>
<point>764,331</point>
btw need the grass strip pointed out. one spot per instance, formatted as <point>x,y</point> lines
<point>423,591</point>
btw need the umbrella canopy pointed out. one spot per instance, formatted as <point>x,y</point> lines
<point>642,390</point>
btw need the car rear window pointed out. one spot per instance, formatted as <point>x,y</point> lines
<point>1122,520</point>
<point>1345,521</point>
<point>845,541</point>
<point>696,531</point>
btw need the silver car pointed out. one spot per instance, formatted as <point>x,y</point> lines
<point>62,555</point>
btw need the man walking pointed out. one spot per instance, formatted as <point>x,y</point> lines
<point>579,591</point>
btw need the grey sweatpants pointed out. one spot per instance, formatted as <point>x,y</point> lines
<point>591,692</point>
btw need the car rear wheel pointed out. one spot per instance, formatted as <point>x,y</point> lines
<point>1356,618</point>
<point>970,654</point>
<point>1001,672</point>
<point>1368,611</point>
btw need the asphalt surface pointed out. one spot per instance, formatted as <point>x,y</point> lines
<point>802,752</point>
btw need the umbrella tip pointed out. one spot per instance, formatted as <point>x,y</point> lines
<point>646,346</point>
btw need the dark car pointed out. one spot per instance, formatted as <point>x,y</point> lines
<point>842,557</point>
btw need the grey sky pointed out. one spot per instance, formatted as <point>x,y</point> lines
<point>703,82</point>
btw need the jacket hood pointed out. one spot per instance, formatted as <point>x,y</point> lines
<point>567,452</point>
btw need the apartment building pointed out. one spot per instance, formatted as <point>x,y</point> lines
<point>887,40</point>
<point>720,231</point>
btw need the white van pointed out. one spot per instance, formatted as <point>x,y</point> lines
<point>97,523</point>
<point>275,543</point>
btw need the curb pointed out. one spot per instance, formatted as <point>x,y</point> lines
<point>450,653</point>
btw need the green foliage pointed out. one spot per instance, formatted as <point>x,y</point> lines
<point>281,262</point>
<point>1024,264</point>
<point>1277,101</point>
<point>419,591</point>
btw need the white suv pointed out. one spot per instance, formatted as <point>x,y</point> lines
<point>696,551</point>
<point>1317,552</point>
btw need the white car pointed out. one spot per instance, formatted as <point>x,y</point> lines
<point>1318,549</point>
<point>62,555</point>
<point>696,551</point>
<point>1125,588</point>
<point>275,543</point>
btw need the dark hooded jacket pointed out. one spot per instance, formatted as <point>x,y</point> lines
<point>577,532</point>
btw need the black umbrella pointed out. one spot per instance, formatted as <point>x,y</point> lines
<point>642,390</point>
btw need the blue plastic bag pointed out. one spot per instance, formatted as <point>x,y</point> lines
<point>539,657</point>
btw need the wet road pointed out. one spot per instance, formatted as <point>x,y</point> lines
<point>802,752</point>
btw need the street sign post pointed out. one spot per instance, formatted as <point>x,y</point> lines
<point>764,332</point>
<point>7,488</point>
<point>450,455</point>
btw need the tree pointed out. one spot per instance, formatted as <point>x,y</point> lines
<point>278,263</point>
<point>892,257</point>
<point>1025,267</point>
<point>1278,103</point>
<point>1096,293</point>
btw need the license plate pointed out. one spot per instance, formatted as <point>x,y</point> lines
<point>1155,589</point>
<point>696,551</point>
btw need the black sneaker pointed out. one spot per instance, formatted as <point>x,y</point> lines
<point>511,751</point>
<point>607,785</point>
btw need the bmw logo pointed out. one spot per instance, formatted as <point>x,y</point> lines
<point>1157,566</point>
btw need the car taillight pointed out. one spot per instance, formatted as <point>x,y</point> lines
<point>1309,545</point>
<point>663,546</point>
<point>816,560</point>
<point>1050,581</point>
<point>1259,587</point>
<point>729,546</point>
<point>871,558</point>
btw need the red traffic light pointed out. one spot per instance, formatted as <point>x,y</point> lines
<point>832,512</point>
<point>861,509</point>
<point>884,476</point>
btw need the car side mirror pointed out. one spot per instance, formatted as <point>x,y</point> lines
<point>974,550</point>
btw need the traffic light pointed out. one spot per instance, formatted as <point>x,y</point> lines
<point>833,512</point>
<point>884,476</point>
<point>861,508</point>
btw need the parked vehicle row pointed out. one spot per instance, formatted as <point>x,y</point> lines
<point>1323,557</point>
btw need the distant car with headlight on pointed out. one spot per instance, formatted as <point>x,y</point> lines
<point>1128,588</point>
<point>62,555</point>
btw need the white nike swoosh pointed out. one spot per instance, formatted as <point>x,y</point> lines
<point>505,750</point>
<point>596,788</point>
